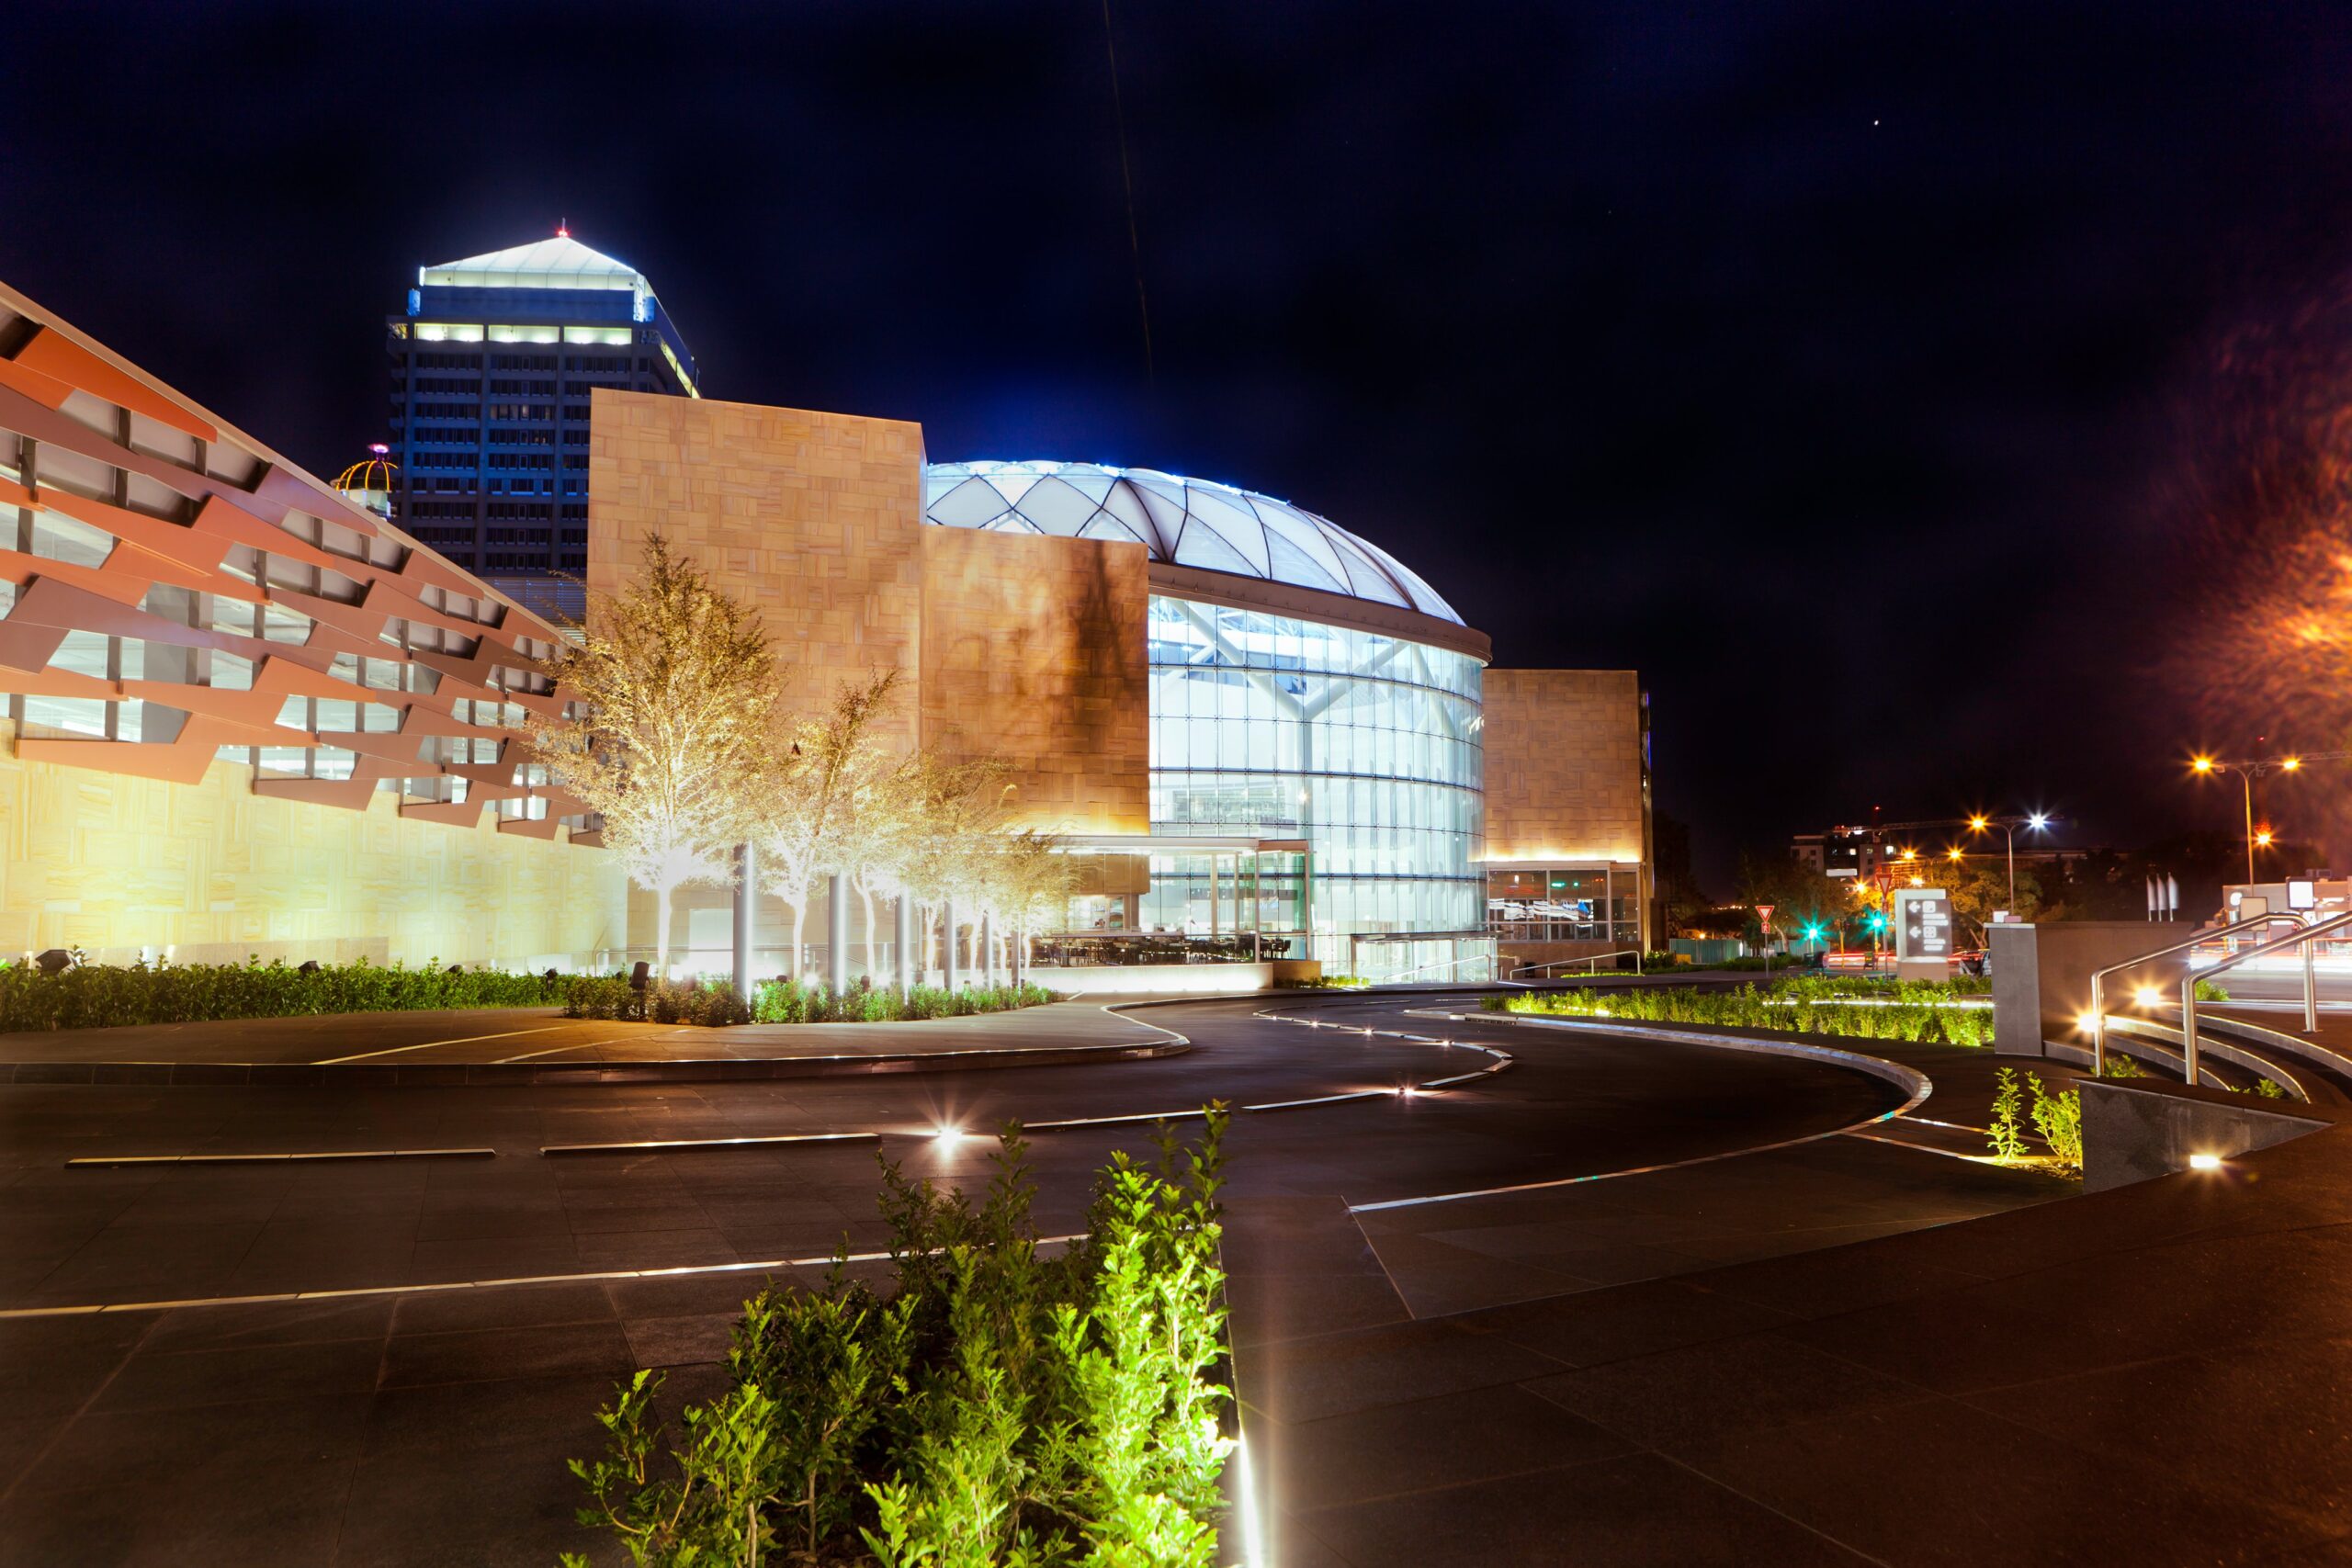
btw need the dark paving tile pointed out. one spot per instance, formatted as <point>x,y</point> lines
<point>655,1249</point>
<point>51,1365</point>
<point>218,1445</point>
<point>508,1306</point>
<point>1636,1509</point>
<point>1285,1307</point>
<point>253,1374</point>
<point>2268,1417</point>
<point>1306,1380</point>
<point>272,1323</point>
<point>1936,1483</point>
<point>496,1257</point>
<point>1843,1279</point>
<point>1625,1320</point>
<point>491,1354</point>
<point>1724,1385</point>
<point>460,1417</point>
<point>511,1503</point>
<point>1982,1336</point>
<point>1476,1435</point>
<point>293,1518</point>
<point>1435,1287</point>
<point>687,1295</point>
<point>681,1341</point>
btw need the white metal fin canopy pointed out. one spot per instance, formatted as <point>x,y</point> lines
<point>1186,522</point>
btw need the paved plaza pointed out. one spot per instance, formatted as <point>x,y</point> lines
<point>1847,1346</point>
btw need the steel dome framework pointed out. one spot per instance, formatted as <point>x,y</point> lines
<point>1183,521</point>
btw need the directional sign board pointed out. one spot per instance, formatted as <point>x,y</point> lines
<point>1923,932</point>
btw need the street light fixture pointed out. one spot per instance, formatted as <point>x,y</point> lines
<point>2205,765</point>
<point>2032,821</point>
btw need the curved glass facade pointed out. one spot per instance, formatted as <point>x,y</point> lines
<point>1364,745</point>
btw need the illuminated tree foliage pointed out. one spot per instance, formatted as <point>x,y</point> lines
<point>674,690</point>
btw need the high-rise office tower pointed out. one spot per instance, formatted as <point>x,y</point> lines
<point>491,367</point>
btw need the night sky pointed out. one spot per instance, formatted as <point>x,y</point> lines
<point>1849,371</point>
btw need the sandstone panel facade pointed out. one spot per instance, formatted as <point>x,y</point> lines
<point>1564,766</point>
<point>112,862</point>
<point>1034,651</point>
<point>814,519</point>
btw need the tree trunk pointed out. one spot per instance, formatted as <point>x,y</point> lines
<point>661,930</point>
<point>872,933</point>
<point>792,965</point>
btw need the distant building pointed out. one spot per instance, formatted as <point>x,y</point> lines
<point>492,367</point>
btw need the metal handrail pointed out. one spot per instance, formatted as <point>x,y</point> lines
<point>2098,976</point>
<point>1443,964</point>
<point>2303,937</point>
<point>1591,958</point>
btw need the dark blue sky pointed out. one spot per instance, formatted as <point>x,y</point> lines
<point>1832,364</point>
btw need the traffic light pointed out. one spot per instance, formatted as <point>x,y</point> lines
<point>1877,922</point>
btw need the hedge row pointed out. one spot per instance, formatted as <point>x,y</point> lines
<point>715,1002</point>
<point>99,995</point>
<point>1920,1022</point>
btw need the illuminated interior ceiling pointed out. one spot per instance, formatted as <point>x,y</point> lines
<point>1193,523</point>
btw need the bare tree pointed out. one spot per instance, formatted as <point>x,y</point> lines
<point>673,702</point>
<point>814,797</point>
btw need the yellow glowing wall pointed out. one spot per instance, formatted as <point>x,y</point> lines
<point>113,863</point>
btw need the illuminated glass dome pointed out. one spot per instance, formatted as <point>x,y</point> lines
<point>1193,523</point>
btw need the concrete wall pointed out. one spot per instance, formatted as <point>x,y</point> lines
<point>2041,975</point>
<point>111,863</point>
<point>2136,1129</point>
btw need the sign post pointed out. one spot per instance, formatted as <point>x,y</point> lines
<point>1764,923</point>
<point>1923,945</point>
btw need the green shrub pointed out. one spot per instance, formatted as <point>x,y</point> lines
<point>101,996</point>
<point>708,1003</point>
<point>2119,1066</point>
<point>1912,1010</point>
<point>1003,1406</point>
<point>1324,983</point>
<point>2211,991</point>
<point>2059,1118</point>
<point>791,1001</point>
<point>2006,1138</point>
<point>2268,1090</point>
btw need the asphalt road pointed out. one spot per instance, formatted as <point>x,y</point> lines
<point>418,1425</point>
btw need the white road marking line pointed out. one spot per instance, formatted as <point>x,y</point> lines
<point>427,1044</point>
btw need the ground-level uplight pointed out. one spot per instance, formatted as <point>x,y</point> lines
<point>2204,1162</point>
<point>947,1137</point>
<point>2147,996</point>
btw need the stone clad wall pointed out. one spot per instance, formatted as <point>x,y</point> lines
<point>1034,650</point>
<point>111,863</point>
<point>1023,647</point>
<point>1563,765</point>
<point>814,518</point>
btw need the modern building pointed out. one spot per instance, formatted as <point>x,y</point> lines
<point>491,365</point>
<point>252,716</point>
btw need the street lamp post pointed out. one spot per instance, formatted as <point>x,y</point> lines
<point>2036,820</point>
<point>2249,771</point>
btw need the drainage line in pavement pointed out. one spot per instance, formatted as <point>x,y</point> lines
<point>672,1143</point>
<point>87,1161</point>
